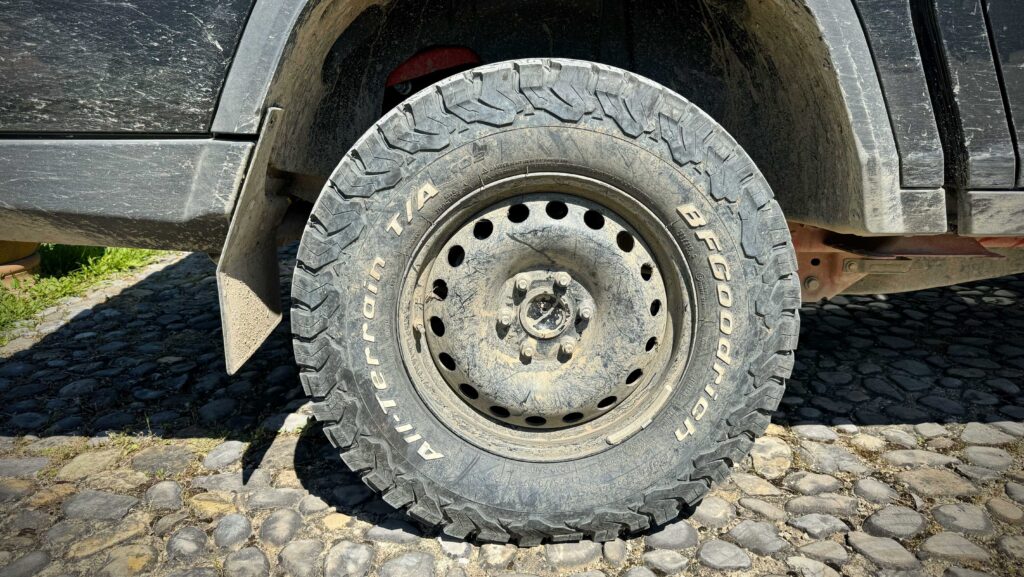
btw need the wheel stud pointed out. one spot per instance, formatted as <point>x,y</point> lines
<point>522,284</point>
<point>505,318</point>
<point>562,279</point>
<point>528,348</point>
<point>568,347</point>
<point>420,328</point>
<point>586,313</point>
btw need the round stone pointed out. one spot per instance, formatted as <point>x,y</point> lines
<point>763,508</point>
<point>757,536</point>
<point>280,527</point>
<point>918,458</point>
<point>1005,511</point>
<point>808,483</point>
<point>723,556</point>
<point>771,456</point>
<point>129,560</point>
<point>248,562</point>
<point>930,430</point>
<point>714,512</point>
<point>874,491</point>
<point>98,505</point>
<point>868,443</point>
<point>417,564</point>
<point>826,551</point>
<point>882,551</point>
<point>165,495</point>
<point>186,543</point>
<point>818,525</point>
<point>952,547</point>
<point>664,562</point>
<point>163,459</point>
<point>224,455</point>
<point>27,565</point>
<point>989,457</point>
<point>827,503</point>
<point>232,531</point>
<point>963,518</point>
<point>1015,491</point>
<point>1012,546</point>
<point>981,434</point>
<point>348,559</point>
<point>299,558</point>
<point>807,566</point>
<point>564,555</point>
<point>819,433</point>
<point>678,535</point>
<point>895,521</point>
<point>615,552</point>
<point>394,532</point>
<point>937,483</point>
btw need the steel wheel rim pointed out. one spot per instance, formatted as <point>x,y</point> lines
<point>446,370</point>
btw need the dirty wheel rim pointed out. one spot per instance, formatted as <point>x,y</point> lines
<point>546,316</point>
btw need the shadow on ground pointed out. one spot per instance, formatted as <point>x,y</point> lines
<point>149,361</point>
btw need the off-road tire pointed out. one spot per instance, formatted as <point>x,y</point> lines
<point>574,115</point>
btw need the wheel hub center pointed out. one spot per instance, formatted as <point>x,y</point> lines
<point>546,315</point>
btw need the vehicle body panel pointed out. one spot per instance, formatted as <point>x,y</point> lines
<point>139,66</point>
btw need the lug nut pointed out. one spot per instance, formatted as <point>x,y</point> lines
<point>586,313</point>
<point>528,348</point>
<point>522,284</point>
<point>505,318</point>
<point>562,279</point>
<point>568,347</point>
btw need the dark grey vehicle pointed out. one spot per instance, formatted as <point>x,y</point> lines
<point>552,253</point>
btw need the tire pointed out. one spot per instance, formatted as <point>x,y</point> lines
<point>675,174</point>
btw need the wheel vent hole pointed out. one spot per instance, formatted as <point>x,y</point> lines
<point>440,289</point>
<point>634,376</point>
<point>651,343</point>
<point>625,241</point>
<point>572,417</point>
<point>483,229</point>
<point>607,402</point>
<point>655,307</point>
<point>556,209</point>
<point>500,412</point>
<point>646,271</point>
<point>456,255</point>
<point>447,361</point>
<point>594,219</point>
<point>437,326</point>
<point>536,421</point>
<point>469,391</point>
<point>518,212</point>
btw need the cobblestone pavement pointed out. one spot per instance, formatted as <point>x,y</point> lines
<point>126,450</point>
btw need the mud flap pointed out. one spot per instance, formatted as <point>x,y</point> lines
<point>248,286</point>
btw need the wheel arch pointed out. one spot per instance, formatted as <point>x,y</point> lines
<point>795,83</point>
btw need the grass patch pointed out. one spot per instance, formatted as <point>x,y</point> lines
<point>65,271</point>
